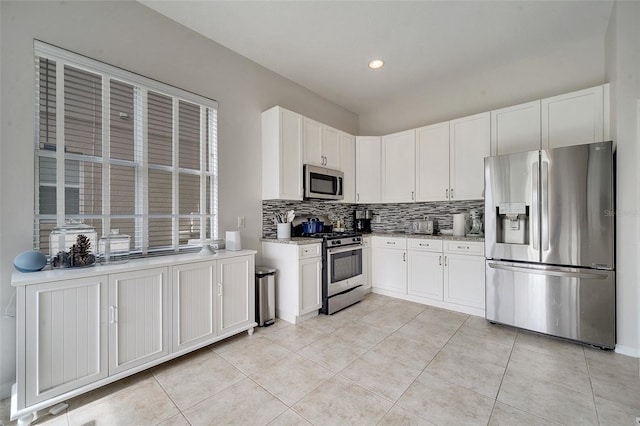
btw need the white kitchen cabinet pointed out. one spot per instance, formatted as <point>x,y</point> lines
<point>65,343</point>
<point>425,268</point>
<point>348,160</point>
<point>194,292</point>
<point>298,278</point>
<point>398,167</point>
<point>366,263</point>
<point>390,264</point>
<point>516,129</point>
<point>138,318</point>
<point>432,162</point>
<point>236,292</point>
<point>321,144</point>
<point>469,144</point>
<point>281,154</point>
<point>368,169</point>
<point>464,270</point>
<point>575,118</point>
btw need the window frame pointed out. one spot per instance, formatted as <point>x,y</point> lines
<point>208,167</point>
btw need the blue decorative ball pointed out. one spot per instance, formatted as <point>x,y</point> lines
<point>30,261</point>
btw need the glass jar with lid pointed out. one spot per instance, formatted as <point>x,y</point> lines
<point>71,245</point>
<point>114,248</point>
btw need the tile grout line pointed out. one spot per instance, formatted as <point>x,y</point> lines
<point>504,373</point>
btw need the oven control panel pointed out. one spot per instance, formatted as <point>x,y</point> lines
<point>344,241</point>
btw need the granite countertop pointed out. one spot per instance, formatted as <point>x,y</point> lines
<point>293,240</point>
<point>425,236</point>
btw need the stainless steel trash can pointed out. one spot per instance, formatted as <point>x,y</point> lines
<point>265,295</point>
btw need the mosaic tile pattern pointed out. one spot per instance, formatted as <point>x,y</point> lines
<point>393,217</point>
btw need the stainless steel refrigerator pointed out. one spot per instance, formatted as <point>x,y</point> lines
<point>549,242</point>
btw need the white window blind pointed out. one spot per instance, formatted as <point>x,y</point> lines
<point>120,151</point>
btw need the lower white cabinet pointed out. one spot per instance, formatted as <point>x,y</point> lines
<point>444,273</point>
<point>80,329</point>
<point>298,278</point>
<point>138,315</point>
<point>390,264</point>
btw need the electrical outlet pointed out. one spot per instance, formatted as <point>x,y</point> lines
<point>242,222</point>
<point>378,219</point>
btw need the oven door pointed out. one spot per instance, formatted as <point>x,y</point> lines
<point>344,268</point>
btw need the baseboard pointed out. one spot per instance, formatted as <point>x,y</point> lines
<point>5,390</point>
<point>625,350</point>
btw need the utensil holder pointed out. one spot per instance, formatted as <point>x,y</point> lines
<point>284,231</point>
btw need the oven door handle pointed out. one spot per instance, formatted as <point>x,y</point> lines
<point>336,250</point>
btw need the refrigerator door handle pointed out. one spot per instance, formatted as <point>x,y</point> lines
<point>556,272</point>
<point>544,206</point>
<point>535,219</point>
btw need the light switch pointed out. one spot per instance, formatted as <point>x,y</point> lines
<point>242,222</point>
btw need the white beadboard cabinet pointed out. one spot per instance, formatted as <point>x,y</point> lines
<point>281,154</point>
<point>516,129</point>
<point>79,329</point>
<point>298,278</point>
<point>398,170</point>
<point>138,318</point>
<point>368,169</point>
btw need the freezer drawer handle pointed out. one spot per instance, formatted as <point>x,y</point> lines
<point>552,272</point>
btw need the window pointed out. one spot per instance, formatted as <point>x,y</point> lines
<point>120,151</point>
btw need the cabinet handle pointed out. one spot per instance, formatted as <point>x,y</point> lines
<point>452,193</point>
<point>404,256</point>
<point>358,197</point>
<point>391,242</point>
<point>464,247</point>
<point>412,196</point>
<point>112,315</point>
<point>440,260</point>
<point>445,261</point>
<point>219,289</point>
<point>446,193</point>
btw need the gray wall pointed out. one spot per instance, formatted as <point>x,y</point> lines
<point>131,36</point>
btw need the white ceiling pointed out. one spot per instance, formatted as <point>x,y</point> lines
<point>325,46</point>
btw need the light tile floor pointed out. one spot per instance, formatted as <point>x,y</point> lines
<point>383,361</point>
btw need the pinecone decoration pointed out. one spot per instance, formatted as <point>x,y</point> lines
<point>79,252</point>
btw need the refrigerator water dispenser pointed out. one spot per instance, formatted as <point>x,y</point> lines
<point>512,224</point>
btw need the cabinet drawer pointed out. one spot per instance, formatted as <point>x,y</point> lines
<point>309,250</point>
<point>465,247</point>
<point>424,244</point>
<point>390,242</point>
<point>366,241</point>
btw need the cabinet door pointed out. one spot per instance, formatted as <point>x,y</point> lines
<point>366,267</point>
<point>368,168</point>
<point>348,163</point>
<point>516,129</point>
<point>310,285</point>
<point>193,299</point>
<point>66,336</point>
<point>290,169</point>
<point>464,280</point>
<point>331,148</point>
<point>469,144</point>
<point>390,269</point>
<point>432,162</point>
<point>573,118</point>
<point>398,167</point>
<point>425,274</point>
<point>312,138</point>
<point>236,291</point>
<point>138,326</point>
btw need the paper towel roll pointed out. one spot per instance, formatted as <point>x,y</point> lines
<point>233,241</point>
<point>459,223</point>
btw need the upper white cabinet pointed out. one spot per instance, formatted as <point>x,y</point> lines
<point>516,129</point>
<point>469,144</point>
<point>65,340</point>
<point>398,167</point>
<point>138,318</point>
<point>281,154</point>
<point>368,169</point>
<point>321,145</point>
<point>348,160</point>
<point>432,162</point>
<point>575,118</point>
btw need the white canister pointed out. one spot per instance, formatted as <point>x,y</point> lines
<point>284,231</point>
<point>460,224</point>
<point>232,241</point>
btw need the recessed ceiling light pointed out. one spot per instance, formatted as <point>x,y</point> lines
<point>376,63</point>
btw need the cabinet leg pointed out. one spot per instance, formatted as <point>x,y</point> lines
<point>26,420</point>
<point>250,331</point>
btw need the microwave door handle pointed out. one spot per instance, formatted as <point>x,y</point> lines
<point>339,186</point>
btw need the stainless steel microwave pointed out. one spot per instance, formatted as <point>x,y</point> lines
<point>322,184</point>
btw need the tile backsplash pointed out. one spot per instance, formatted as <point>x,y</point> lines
<point>393,217</point>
